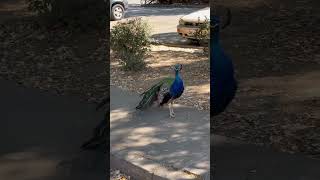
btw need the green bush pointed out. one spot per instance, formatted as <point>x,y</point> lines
<point>203,33</point>
<point>130,43</point>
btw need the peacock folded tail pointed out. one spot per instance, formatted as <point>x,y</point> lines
<point>155,92</point>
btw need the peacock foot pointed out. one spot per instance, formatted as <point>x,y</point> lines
<point>172,115</point>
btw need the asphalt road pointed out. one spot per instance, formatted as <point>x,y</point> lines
<point>163,21</point>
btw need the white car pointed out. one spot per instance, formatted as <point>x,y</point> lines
<point>189,24</point>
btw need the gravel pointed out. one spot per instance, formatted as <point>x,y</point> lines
<point>118,175</point>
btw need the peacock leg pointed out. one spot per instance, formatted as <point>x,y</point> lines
<point>158,99</point>
<point>172,115</point>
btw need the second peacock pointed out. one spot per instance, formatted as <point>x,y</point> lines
<point>223,84</point>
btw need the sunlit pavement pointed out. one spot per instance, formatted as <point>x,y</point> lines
<point>153,141</point>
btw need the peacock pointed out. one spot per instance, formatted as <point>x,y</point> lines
<point>99,137</point>
<point>164,92</point>
<point>223,83</point>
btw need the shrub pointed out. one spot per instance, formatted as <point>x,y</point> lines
<point>203,33</point>
<point>41,7</point>
<point>130,43</point>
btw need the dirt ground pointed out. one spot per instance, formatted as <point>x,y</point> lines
<point>52,59</point>
<point>275,48</point>
<point>195,74</point>
<point>274,45</point>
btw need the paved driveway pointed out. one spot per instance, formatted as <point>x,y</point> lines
<point>41,134</point>
<point>159,145</point>
<point>163,20</point>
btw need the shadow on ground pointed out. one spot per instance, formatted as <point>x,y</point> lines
<point>151,139</point>
<point>275,51</point>
<point>238,160</point>
<point>173,38</point>
<point>41,136</point>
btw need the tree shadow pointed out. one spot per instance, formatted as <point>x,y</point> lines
<point>176,144</point>
<point>39,131</point>
<point>173,38</point>
<point>271,38</point>
<point>246,160</point>
<point>279,112</point>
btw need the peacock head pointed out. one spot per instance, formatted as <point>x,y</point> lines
<point>177,67</point>
<point>216,20</point>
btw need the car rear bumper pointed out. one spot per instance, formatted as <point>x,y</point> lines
<point>186,31</point>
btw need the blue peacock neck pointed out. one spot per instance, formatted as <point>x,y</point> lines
<point>215,32</point>
<point>215,36</point>
<point>215,59</point>
<point>177,73</point>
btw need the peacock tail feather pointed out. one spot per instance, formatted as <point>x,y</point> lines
<point>151,95</point>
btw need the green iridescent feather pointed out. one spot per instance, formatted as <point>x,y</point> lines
<point>150,95</point>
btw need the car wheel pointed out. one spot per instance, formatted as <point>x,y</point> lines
<point>117,12</point>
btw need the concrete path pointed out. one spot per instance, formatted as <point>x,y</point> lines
<point>240,161</point>
<point>41,133</point>
<point>150,145</point>
<point>155,145</point>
